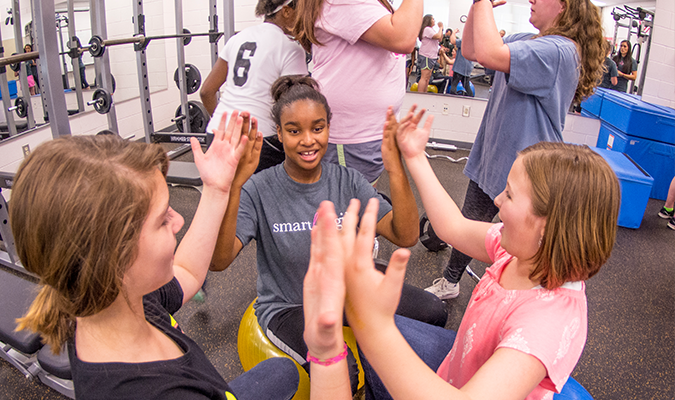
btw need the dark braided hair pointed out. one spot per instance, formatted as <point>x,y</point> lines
<point>291,88</point>
<point>265,8</point>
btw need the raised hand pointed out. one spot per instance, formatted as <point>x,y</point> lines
<point>251,157</point>
<point>391,156</point>
<point>324,287</point>
<point>218,165</point>
<point>372,297</point>
<point>411,139</point>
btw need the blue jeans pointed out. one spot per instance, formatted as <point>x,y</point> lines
<point>431,343</point>
<point>273,379</point>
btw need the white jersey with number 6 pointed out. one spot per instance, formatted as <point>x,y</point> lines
<point>256,57</point>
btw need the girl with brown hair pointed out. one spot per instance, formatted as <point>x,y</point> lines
<point>537,79</point>
<point>428,53</point>
<point>525,325</point>
<point>359,51</point>
<point>91,218</point>
<point>626,65</point>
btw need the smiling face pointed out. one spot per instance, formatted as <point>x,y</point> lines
<point>623,48</point>
<point>543,13</point>
<point>522,229</point>
<point>304,134</point>
<point>153,266</point>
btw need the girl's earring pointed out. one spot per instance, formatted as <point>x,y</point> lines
<point>540,241</point>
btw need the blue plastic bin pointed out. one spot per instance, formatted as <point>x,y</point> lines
<point>593,104</point>
<point>636,185</point>
<point>12,90</point>
<point>638,118</point>
<point>611,138</point>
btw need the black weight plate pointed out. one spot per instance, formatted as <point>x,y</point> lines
<point>199,117</point>
<point>186,39</point>
<point>16,66</point>
<point>113,82</point>
<point>103,101</point>
<point>193,78</point>
<point>96,46</point>
<point>21,107</point>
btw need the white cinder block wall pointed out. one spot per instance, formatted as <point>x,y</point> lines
<point>660,77</point>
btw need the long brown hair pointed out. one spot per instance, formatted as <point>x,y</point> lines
<point>580,21</point>
<point>77,208</point>
<point>627,66</point>
<point>308,12</point>
<point>578,193</point>
<point>426,21</point>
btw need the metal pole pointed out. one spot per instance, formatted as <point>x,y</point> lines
<point>228,19</point>
<point>142,69</point>
<point>18,39</point>
<point>102,64</point>
<point>4,90</point>
<point>64,75</point>
<point>213,27</point>
<point>180,51</point>
<point>44,22</point>
<point>72,43</point>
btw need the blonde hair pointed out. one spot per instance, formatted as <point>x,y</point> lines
<point>580,21</point>
<point>578,193</point>
<point>77,208</point>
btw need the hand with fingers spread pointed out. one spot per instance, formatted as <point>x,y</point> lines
<point>218,165</point>
<point>372,297</point>
<point>411,139</point>
<point>324,287</point>
<point>251,157</point>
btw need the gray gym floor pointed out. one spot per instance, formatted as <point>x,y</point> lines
<point>629,353</point>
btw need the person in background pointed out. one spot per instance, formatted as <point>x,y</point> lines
<point>33,65</point>
<point>502,32</point>
<point>667,210</point>
<point>248,64</point>
<point>428,50</point>
<point>446,42</point>
<point>626,65</point>
<point>537,77</point>
<point>609,77</point>
<point>461,70</point>
<point>359,48</point>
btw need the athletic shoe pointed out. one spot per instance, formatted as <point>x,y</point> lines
<point>671,223</point>
<point>665,214</point>
<point>444,289</point>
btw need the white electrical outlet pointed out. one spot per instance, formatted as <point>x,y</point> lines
<point>446,108</point>
<point>466,111</point>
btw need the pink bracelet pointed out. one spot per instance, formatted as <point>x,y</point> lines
<point>329,361</point>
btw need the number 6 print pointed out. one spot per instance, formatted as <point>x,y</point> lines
<point>243,63</point>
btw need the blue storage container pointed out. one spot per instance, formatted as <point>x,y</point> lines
<point>12,90</point>
<point>657,158</point>
<point>611,138</point>
<point>635,187</point>
<point>593,104</point>
<point>638,118</point>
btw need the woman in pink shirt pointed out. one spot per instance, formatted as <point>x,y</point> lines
<point>525,326</point>
<point>359,49</point>
<point>428,50</point>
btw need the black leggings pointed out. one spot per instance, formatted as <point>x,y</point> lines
<point>478,206</point>
<point>286,327</point>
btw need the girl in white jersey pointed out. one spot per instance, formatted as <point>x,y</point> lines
<point>249,63</point>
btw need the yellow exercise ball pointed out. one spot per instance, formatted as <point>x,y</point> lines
<point>430,88</point>
<point>253,347</point>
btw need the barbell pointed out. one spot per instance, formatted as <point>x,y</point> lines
<point>97,46</point>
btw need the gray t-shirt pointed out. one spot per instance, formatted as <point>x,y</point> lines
<point>279,214</point>
<point>462,65</point>
<point>622,84</point>
<point>527,106</point>
<point>612,72</point>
